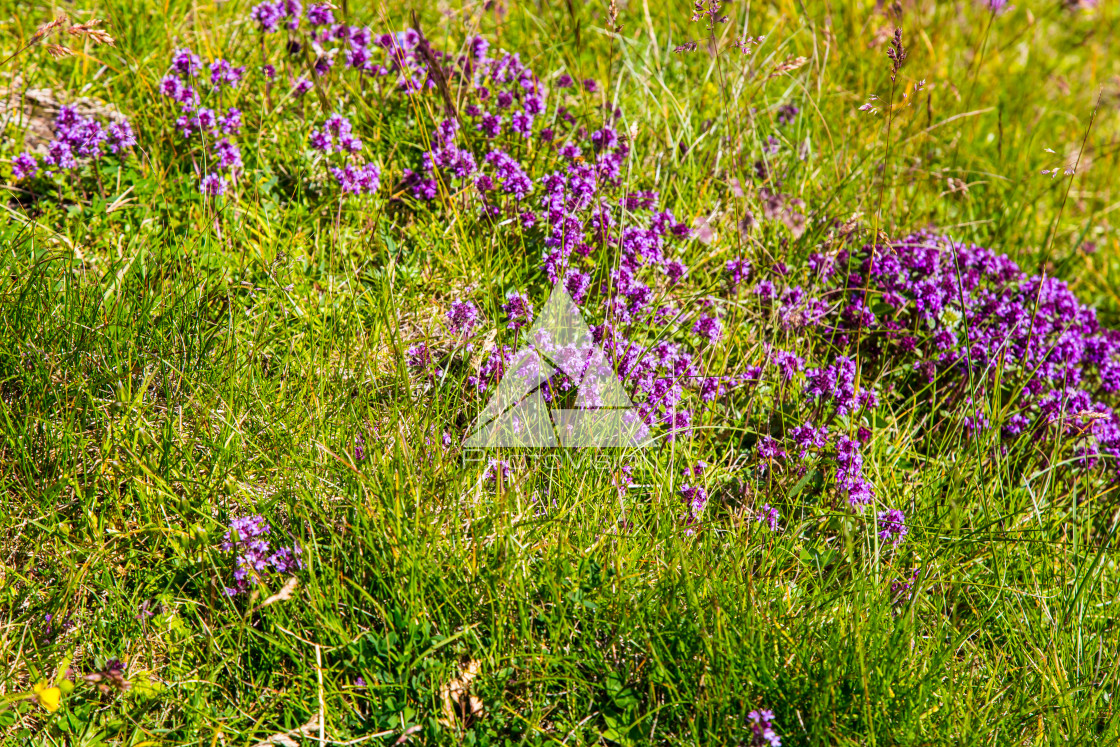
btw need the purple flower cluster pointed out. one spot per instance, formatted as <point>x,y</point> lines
<point>993,332</point>
<point>247,537</point>
<point>925,309</point>
<point>503,95</point>
<point>892,526</point>
<point>569,205</point>
<point>207,130</point>
<point>357,180</point>
<point>922,308</point>
<point>270,16</point>
<point>77,139</point>
<point>769,515</point>
<point>518,309</point>
<point>695,496</point>
<point>498,470</point>
<point>762,728</point>
<point>462,317</point>
<point>337,136</point>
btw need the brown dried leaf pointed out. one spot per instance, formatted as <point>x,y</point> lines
<point>285,739</point>
<point>284,594</point>
<point>459,705</point>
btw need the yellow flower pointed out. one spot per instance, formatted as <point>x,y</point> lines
<point>48,697</point>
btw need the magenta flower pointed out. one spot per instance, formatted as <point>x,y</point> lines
<point>213,184</point>
<point>768,515</point>
<point>892,527</point>
<point>518,309</point>
<point>268,16</point>
<point>462,316</point>
<point>762,721</point>
<point>24,166</point>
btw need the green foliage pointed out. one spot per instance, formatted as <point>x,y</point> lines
<point>163,369</point>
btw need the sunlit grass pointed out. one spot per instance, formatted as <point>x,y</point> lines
<point>165,367</point>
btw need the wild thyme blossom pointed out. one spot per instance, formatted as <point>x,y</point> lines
<point>357,180</point>
<point>337,136</point>
<point>738,270</point>
<point>255,559</point>
<point>892,526</point>
<point>762,726</point>
<point>462,317</point>
<point>77,140</point>
<point>219,155</point>
<point>849,474</point>
<point>213,185</point>
<point>768,515</point>
<point>224,74</point>
<point>24,166</point>
<point>518,310</point>
<point>571,210</point>
<point>695,496</point>
<point>497,470</point>
<point>709,327</point>
<point>809,439</point>
<point>1031,327</point>
<point>320,15</point>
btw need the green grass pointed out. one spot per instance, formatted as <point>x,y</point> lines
<point>165,367</point>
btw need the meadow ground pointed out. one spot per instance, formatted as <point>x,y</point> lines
<point>859,284</point>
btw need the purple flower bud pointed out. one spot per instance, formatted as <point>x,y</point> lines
<point>121,136</point>
<point>213,184</point>
<point>231,121</point>
<point>320,15</point>
<point>267,15</point>
<point>24,166</point>
<point>185,63</point>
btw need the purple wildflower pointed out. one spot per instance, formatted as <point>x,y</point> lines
<point>738,270</point>
<point>762,721</point>
<point>121,136</point>
<point>230,122</point>
<point>358,180</point>
<point>892,526</point>
<point>769,515</point>
<point>213,184</point>
<point>268,16</point>
<point>497,469</point>
<point>255,559</point>
<point>518,309</point>
<point>320,15</point>
<point>24,166</point>
<point>709,327</point>
<point>224,74</point>
<point>463,315</point>
<point>185,63</point>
